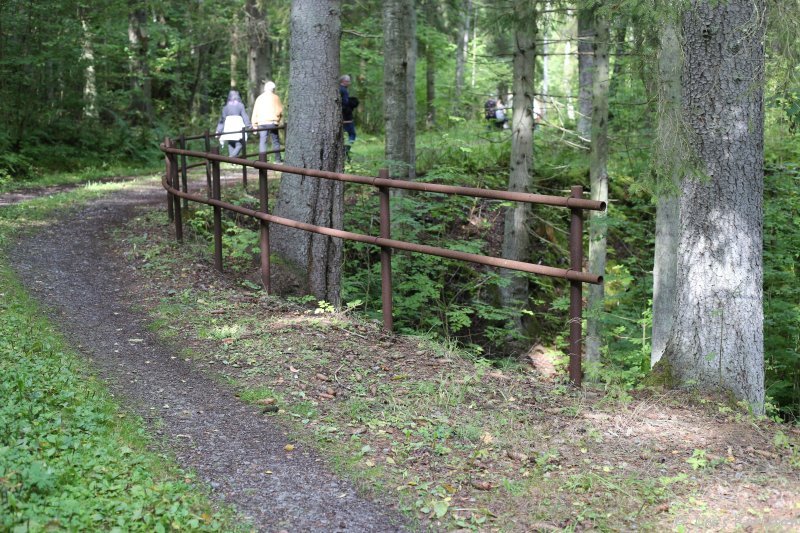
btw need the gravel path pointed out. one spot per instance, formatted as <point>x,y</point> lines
<point>230,444</point>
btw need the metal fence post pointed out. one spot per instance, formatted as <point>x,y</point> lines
<point>386,254</point>
<point>207,139</point>
<point>244,156</point>
<point>184,179</point>
<point>263,224</point>
<point>575,289</point>
<point>175,184</point>
<point>168,175</point>
<point>216,195</point>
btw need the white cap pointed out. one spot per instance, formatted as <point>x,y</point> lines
<point>269,87</point>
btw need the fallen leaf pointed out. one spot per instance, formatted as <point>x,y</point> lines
<point>517,456</point>
<point>293,369</point>
<point>266,401</point>
<point>331,391</point>
<point>482,485</point>
<point>326,396</point>
<point>321,377</point>
<point>487,438</point>
<point>289,447</point>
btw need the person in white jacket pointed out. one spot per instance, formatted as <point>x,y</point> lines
<point>267,112</point>
<point>234,118</point>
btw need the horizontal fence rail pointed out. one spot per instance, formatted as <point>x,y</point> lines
<point>177,189</point>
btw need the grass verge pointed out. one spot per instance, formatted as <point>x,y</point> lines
<point>70,458</point>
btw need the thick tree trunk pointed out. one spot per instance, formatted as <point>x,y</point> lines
<point>399,104</point>
<point>257,50</point>
<point>89,78</point>
<point>598,176</point>
<point>717,338</point>
<point>667,204</point>
<point>586,38</point>
<point>461,55</point>
<point>516,239</point>
<point>138,38</point>
<point>314,140</point>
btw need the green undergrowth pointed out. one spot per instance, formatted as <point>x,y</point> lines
<point>70,458</point>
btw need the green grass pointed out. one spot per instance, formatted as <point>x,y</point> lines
<point>87,175</point>
<point>70,458</point>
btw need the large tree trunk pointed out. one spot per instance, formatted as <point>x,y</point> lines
<point>141,84</point>
<point>516,239</point>
<point>461,56</point>
<point>717,338</point>
<point>598,176</point>
<point>257,50</point>
<point>399,104</point>
<point>314,140</point>
<point>586,38</point>
<point>668,152</point>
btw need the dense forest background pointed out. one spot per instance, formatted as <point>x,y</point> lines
<point>87,85</point>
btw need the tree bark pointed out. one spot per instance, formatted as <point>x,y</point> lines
<point>257,50</point>
<point>141,84</point>
<point>89,78</point>
<point>665,261</point>
<point>586,38</point>
<point>461,56</point>
<point>432,14</point>
<point>399,104</point>
<point>717,338</point>
<point>598,176</point>
<point>234,63</point>
<point>314,140</point>
<point>516,237</point>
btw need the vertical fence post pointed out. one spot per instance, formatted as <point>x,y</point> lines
<point>184,179</point>
<point>244,156</point>
<point>263,224</point>
<point>216,195</point>
<point>386,254</point>
<point>176,200</point>
<point>575,289</point>
<point>168,175</point>
<point>207,139</point>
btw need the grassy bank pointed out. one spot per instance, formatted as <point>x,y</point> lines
<point>70,457</point>
<point>457,441</point>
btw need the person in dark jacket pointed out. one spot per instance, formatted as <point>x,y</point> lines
<point>348,104</point>
<point>234,118</point>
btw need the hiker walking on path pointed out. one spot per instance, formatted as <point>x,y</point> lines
<point>234,119</point>
<point>267,112</point>
<point>348,104</point>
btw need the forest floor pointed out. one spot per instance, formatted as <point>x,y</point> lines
<point>264,396</point>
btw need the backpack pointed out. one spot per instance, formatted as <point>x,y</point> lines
<point>353,102</point>
<point>488,108</point>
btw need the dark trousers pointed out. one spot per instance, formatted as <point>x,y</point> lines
<point>274,137</point>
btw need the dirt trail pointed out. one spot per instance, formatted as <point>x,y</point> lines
<point>236,449</point>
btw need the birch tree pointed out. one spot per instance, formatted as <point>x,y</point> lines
<point>669,151</point>
<point>717,338</point>
<point>314,140</point>
<point>598,177</point>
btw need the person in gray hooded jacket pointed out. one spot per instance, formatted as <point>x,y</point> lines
<point>234,118</point>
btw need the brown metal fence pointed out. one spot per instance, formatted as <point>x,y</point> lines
<point>175,183</point>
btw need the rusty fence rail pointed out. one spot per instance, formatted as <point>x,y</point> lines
<point>174,182</point>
